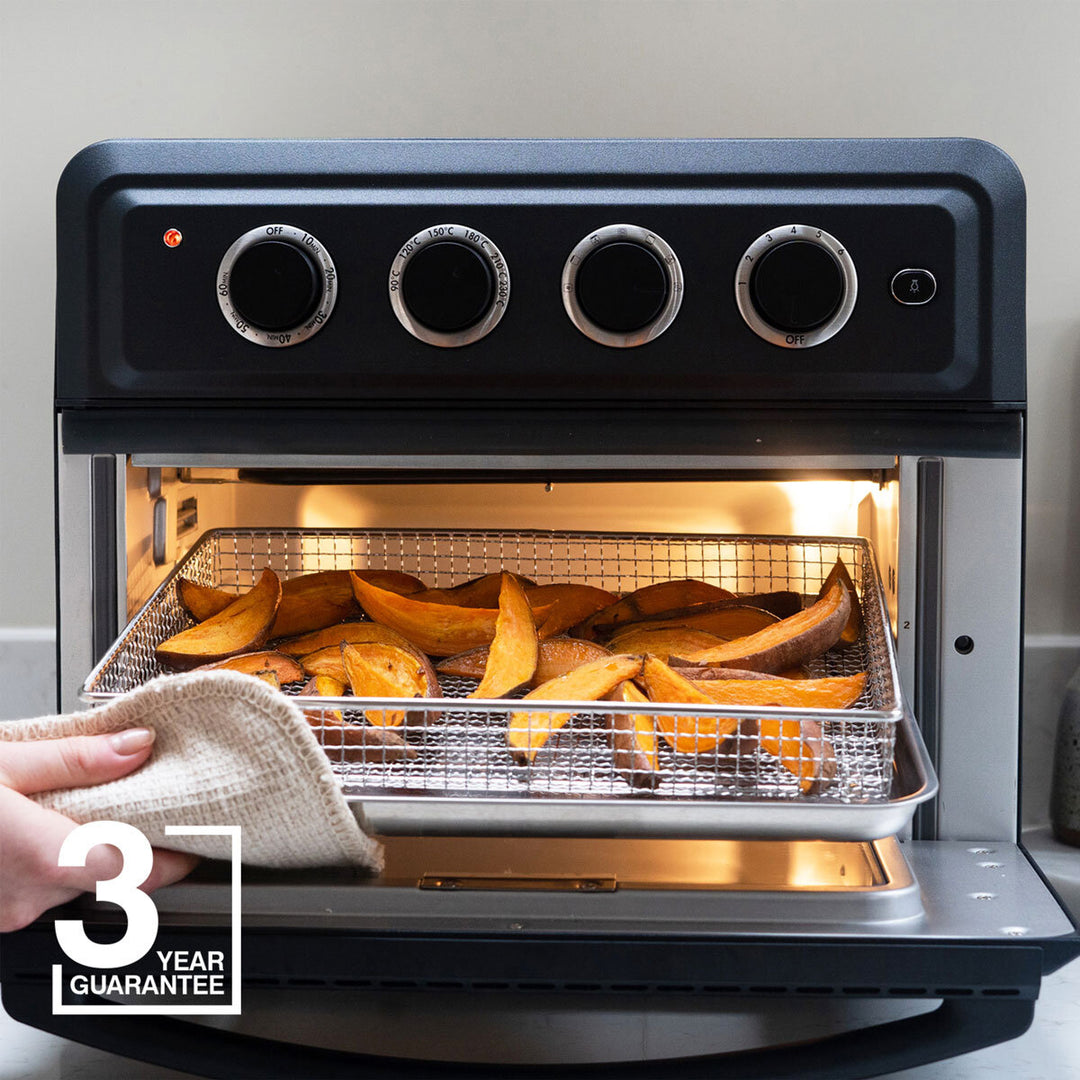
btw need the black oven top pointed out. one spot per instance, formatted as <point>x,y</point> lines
<point>540,271</point>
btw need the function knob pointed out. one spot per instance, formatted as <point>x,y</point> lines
<point>449,285</point>
<point>622,285</point>
<point>277,285</point>
<point>796,286</point>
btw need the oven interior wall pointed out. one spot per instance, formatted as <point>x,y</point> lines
<point>190,501</point>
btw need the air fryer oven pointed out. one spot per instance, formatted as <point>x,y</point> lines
<point>613,362</point>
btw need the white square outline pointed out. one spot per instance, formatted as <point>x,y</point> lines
<point>233,1007</point>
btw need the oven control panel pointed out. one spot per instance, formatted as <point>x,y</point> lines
<point>555,272</point>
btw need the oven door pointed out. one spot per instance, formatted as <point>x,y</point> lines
<point>343,977</point>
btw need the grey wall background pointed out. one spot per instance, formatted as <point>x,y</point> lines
<point>73,72</point>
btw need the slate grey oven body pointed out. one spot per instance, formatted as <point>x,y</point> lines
<point>658,339</point>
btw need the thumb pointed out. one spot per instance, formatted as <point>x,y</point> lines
<point>77,761</point>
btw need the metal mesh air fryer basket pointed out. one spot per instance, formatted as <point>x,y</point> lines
<point>459,771</point>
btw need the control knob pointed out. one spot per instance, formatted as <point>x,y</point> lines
<point>622,285</point>
<point>277,285</point>
<point>796,286</point>
<point>449,285</point>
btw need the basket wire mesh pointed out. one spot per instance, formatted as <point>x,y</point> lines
<point>451,749</point>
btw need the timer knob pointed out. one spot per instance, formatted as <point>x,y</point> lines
<point>449,285</point>
<point>622,285</point>
<point>277,285</point>
<point>796,286</point>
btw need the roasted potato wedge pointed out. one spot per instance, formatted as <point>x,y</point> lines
<point>556,657</point>
<point>785,644</point>
<point>663,641</point>
<point>529,731</point>
<point>798,745</point>
<point>725,623</point>
<point>634,742</point>
<point>351,742</point>
<point>686,734</point>
<point>853,626</point>
<point>646,603</point>
<point>377,670</point>
<point>241,627</point>
<point>439,629</point>
<point>480,591</point>
<point>832,692</point>
<point>355,632</point>
<point>285,668</point>
<point>571,603</point>
<point>202,602</point>
<point>514,651</point>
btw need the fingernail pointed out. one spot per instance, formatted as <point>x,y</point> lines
<point>131,741</point>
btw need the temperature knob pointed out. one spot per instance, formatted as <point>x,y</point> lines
<point>449,285</point>
<point>796,286</point>
<point>277,285</point>
<point>622,285</point>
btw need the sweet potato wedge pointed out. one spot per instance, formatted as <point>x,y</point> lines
<point>202,602</point>
<point>324,686</point>
<point>572,603</point>
<point>646,603</point>
<point>439,629</point>
<point>284,667</point>
<point>662,641</point>
<point>514,651</point>
<point>785,644</point>
<point>528,731</point>
<point>832,692</point>
<point>853,627</point>
<point>480,591</point>
<point>310,601</point>
<point>327,660</point>
<point>686,734</point>
<point>376,670</point>
<point>726,623</point>
<point>557,656</point>
<point>634,743</point>
<point>243,626</point>
<point>799,745</point>
<point>361,630</point>
<point>351,742</point>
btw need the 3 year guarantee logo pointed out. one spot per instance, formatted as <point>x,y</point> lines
<point>133,973</point>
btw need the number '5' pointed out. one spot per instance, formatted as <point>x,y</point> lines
<point>142,915</point>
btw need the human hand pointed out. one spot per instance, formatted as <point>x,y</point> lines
<point>30,836</point>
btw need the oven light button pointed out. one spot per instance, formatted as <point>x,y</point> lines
<point>622,286</point>
<point>913,287</point>
<point>449,285</point>
<point>796,286</point>
<point>277,285</point>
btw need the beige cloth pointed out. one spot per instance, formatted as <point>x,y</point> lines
<point>230,750</point>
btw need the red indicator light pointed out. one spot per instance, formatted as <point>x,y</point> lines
<point>172,237</point>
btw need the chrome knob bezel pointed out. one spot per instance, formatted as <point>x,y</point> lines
<point>483,246</point>
<point>306,242</point>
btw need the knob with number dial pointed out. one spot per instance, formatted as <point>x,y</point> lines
<point>277,285</point>
<point>796,286</point>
